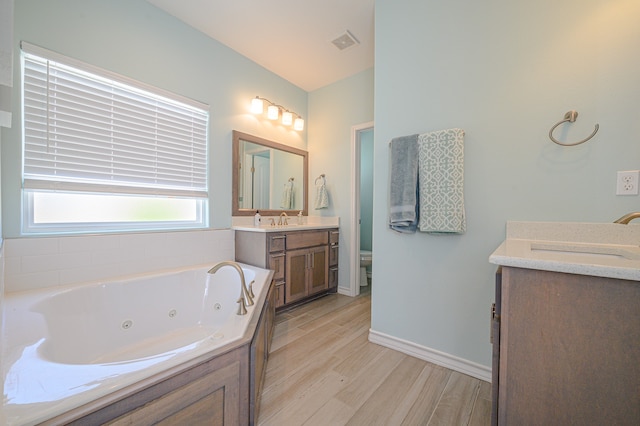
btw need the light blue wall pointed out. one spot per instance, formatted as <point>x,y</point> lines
<point>135,39</point>
<point>505,71</point>
<point>333,111</point>
<point>366,189</point>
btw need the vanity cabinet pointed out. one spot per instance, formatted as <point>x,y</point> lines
<point>265,250</point>
<point>334,236</point>
<point>566,349</point>
<point>305,263</point>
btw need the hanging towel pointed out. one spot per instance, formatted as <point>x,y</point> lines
<point>322,197</point>
<point>287,196</point>
<point>403,184</point>
<point>441,179</point>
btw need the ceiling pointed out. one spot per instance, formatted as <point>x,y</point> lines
<point>291,38</point>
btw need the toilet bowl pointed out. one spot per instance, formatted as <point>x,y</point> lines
<point>365,260</point>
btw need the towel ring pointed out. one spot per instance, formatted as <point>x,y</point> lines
<point>320,177</point>
<point>571,117</point>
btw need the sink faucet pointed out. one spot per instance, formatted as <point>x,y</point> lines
<point>628,218</point>
<point>285,221</point>
<point>245,298</point>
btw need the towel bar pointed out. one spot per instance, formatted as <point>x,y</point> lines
<point>570,117</point>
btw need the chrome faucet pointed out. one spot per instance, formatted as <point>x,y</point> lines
<point>628,218</point>
<point>285,221</point>
<point>245,299</point>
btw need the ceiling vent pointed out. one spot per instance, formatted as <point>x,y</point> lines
<point>345,41</point>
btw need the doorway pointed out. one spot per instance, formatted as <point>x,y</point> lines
<point>360,133</point>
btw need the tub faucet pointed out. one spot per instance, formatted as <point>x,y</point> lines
<point>245,298</point>
<point>285,221</point>
<point>628,218</point>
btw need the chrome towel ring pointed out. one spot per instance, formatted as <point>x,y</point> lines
<point>571,117</point>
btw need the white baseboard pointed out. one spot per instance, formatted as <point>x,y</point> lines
<point>345,291</point>
<point>427,354</point>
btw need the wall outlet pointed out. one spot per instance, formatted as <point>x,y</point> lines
<point>627,182</point>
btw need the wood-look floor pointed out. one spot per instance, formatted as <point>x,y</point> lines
<point>322,370</point>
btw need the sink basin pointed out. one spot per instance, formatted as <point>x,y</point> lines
<point>595,250</point>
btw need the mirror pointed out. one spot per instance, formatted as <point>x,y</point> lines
<point>268,176</point>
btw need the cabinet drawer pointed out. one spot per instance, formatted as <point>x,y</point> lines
<point>307,239</point>
<point>333,254</point>
<point>334,236</point>
<point>276,242</point>
<point>280,292</point>
<point>276,263</point>
<point>333,277</point>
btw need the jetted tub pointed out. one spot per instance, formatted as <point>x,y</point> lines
<point>65,347</point>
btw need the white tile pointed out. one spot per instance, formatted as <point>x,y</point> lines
<point>119,255</point>
<point>17,247</point>
<point>88,243</point>
<point>12,265</point>
<point>54,262</point>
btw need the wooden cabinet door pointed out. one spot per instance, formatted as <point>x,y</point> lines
<point>296,276</point>
<point>318,278</point>
<point>569,349</point>
<point>276,263</point>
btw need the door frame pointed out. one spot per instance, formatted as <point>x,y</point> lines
<point>354,237</point>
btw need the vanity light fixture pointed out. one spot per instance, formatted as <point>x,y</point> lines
<point>287,118</point>
<point>275,111</point>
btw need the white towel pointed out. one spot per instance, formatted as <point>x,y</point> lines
<point>441,182</point>
<point>287,196</point>
<point>322,197</point>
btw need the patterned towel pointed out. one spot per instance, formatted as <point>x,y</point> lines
<point>322,197</point>
<point>441,182</point>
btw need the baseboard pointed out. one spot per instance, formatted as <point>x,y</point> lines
<point>345,291</point>
<point>440,358</point>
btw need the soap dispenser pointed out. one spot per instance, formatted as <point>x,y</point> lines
<point>300,218</point>
<point>256,219</point>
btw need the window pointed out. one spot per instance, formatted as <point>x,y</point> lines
<point>102,152</point>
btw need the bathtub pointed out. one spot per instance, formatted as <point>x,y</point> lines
<point>65,347</point>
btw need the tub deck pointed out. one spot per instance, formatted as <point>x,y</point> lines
<point>41,383</point>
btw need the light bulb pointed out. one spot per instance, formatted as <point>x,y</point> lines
<point>257,105</point>
<point>273,112</point>
<point>287,118</point>
<point>298,124</point>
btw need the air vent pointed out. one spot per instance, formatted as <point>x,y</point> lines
<point>345,41</point>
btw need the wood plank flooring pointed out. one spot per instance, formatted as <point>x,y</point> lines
<point>322,370</point>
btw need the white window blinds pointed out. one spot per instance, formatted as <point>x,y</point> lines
<point>85,130</point>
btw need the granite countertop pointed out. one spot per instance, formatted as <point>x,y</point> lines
<point>245,223</point>
<point>608,250</point>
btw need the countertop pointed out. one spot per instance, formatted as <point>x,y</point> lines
<point>245,223</point>
<point>608,250</point>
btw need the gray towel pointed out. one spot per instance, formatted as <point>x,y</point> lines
<point>441,180</point>
<point>403,185</point>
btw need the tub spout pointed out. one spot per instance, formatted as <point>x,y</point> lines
<point>245,298</point>
<point>628,218</point>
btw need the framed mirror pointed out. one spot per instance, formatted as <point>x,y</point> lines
<point>268,176</point>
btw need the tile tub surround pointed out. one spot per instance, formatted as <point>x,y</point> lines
<point>550,246</point>
<point>35,263</point>
<point>245,223</point>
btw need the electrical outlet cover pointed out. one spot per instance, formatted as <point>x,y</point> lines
<point>627,182</point>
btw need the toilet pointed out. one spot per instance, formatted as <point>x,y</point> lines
<point>365,260</point>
